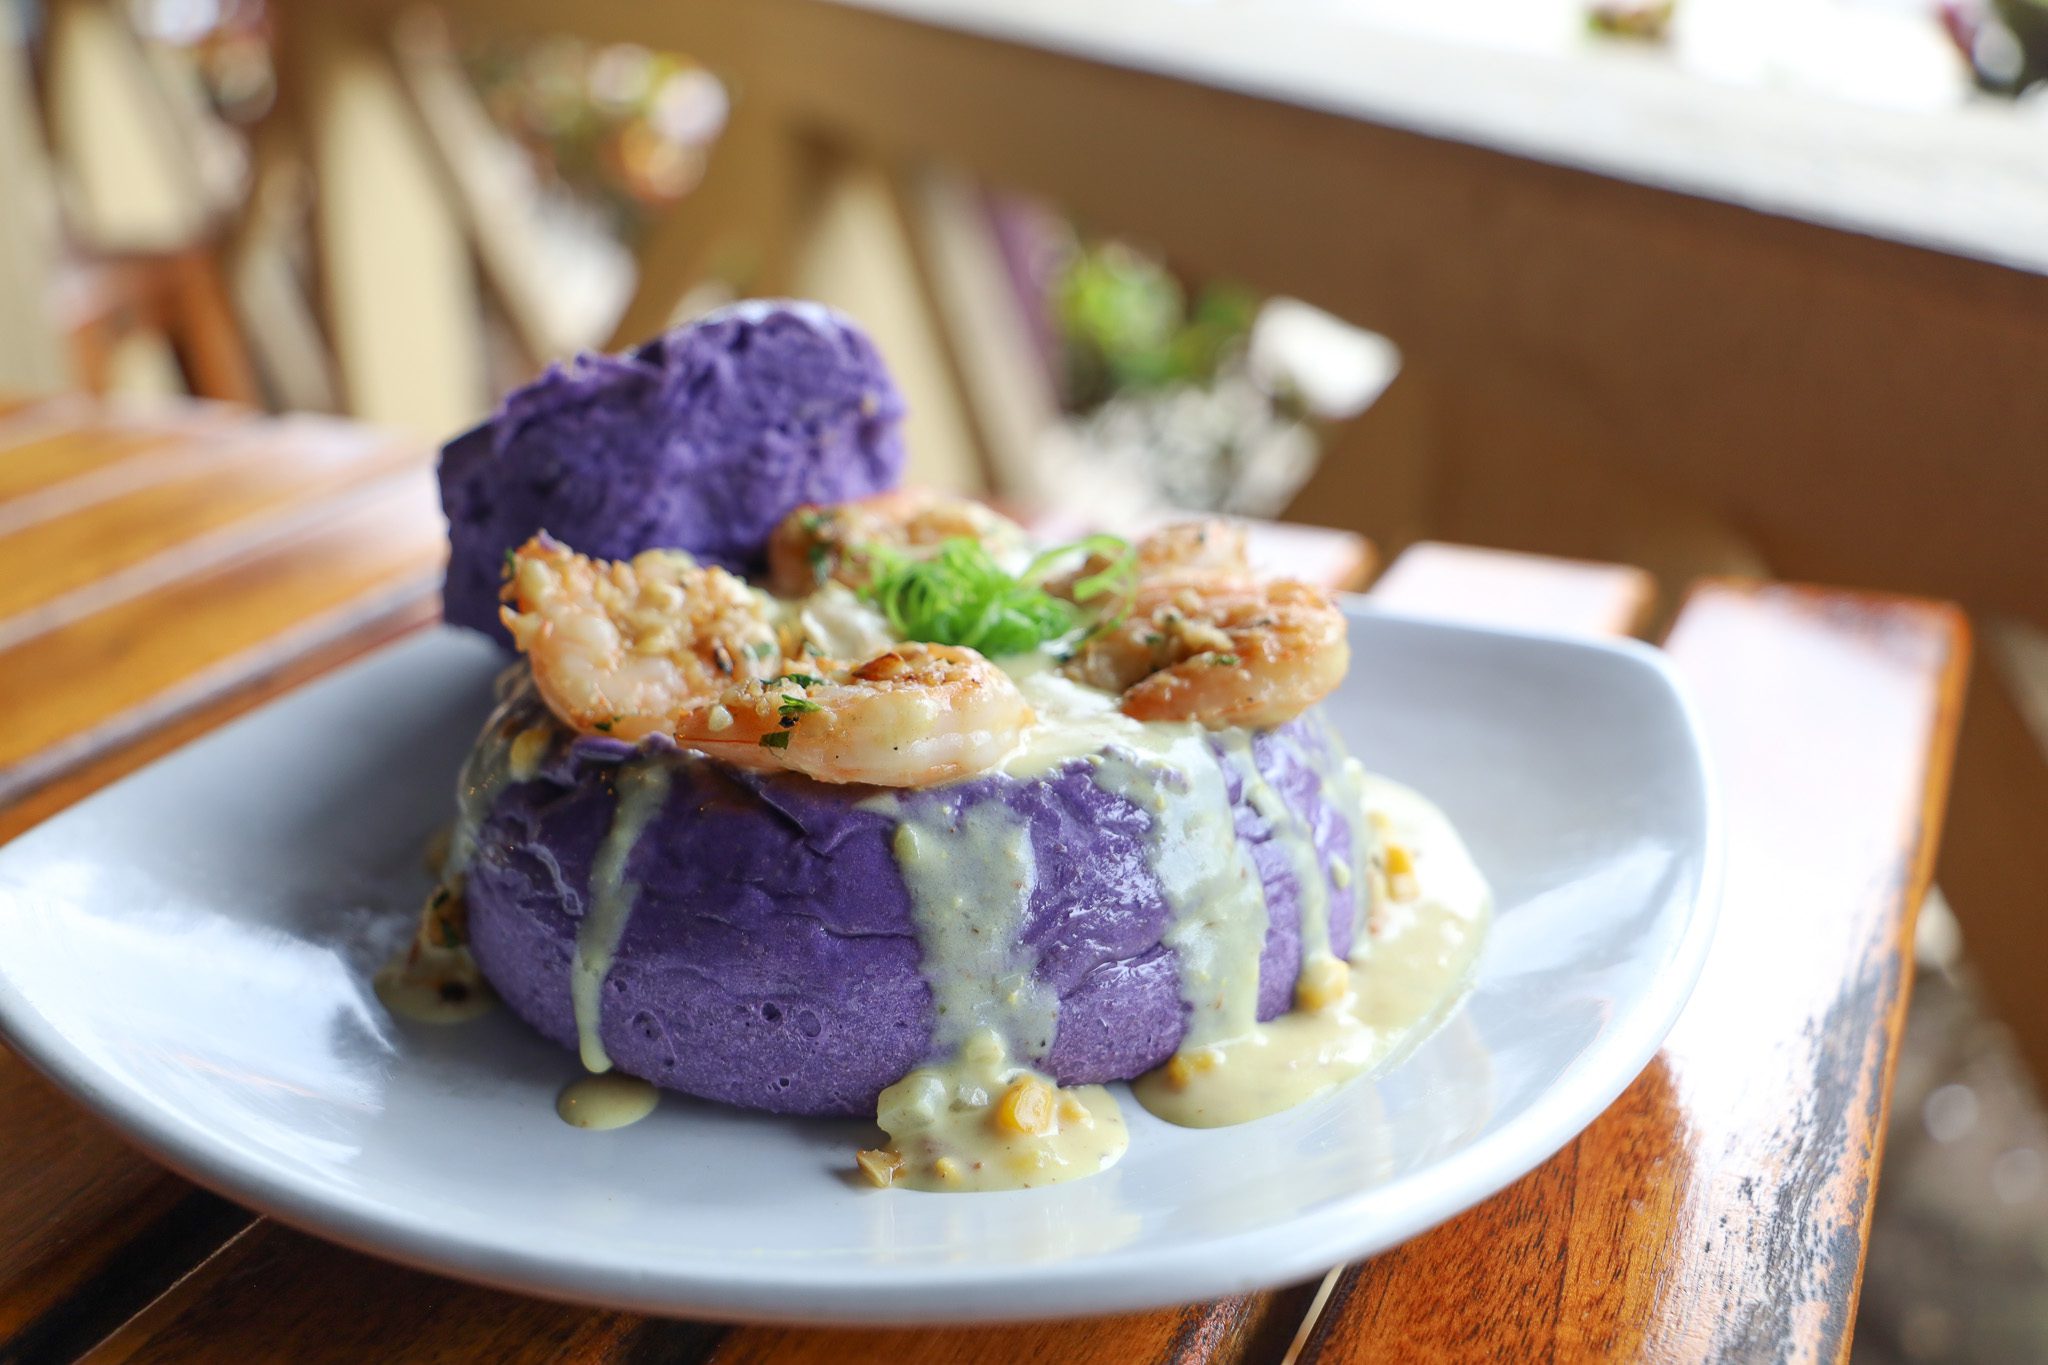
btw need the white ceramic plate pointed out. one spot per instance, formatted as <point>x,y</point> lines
<point>189,954</point>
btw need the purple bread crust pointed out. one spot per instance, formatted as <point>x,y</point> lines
<point>770,960</point>
<point>701,440</point>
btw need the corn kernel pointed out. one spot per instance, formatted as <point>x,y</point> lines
<point>1026,1107</point>
<point>880,1165</point>
<point>1323,982</point>
<point>1180,1072</point>
<point>1071,1110</point>
<point>1399,861</point>
<point>528,749</point>
<point>946,1169</point>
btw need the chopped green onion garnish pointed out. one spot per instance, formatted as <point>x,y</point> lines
<point>959,595</point>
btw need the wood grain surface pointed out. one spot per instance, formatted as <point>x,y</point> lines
<point>162,569</point>
<point>1736,1172</point>
<point>1719,1210</point>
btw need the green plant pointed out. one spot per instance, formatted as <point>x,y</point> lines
<point>1126,325</point>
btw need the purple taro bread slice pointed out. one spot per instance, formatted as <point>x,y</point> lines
<point>700,440</point>
<point>771,961</point>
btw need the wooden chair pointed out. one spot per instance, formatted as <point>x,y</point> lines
<point>98,260</point>
<point>101,301</point>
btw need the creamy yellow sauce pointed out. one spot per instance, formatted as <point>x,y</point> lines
<point>980,1121</point>
<point>608,1101</point>
<point>970,877</point>
<point>1219,920</point>
<point>1291,834</point>
<point>835,623</point>
<point>440,986</point>
<point>642,786</point>
<point>1415,936</point>
<point>485,773</point>
<point>435,980</point>
<point>1404,979</point>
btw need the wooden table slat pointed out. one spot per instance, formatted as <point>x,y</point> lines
<point>1719,1209</point>
<point>63,439</point>
<point>129,514</point>
<point>365,1309</point>
<point>117,660</point>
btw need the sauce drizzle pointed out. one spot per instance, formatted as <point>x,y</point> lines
<point>642,787</point>
<point>609,1101</point>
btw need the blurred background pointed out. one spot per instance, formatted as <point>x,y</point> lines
<point>1711,286</point>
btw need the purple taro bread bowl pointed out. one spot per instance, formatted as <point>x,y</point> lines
<point>770,960</point>
<point>701,440</point>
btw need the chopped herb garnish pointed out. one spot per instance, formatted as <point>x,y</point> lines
<point>775,739</point>
<point>800,679</point>
<point>959,595</point>
<point>606,725</point>
<point>511,561</point>
<point>761,649</point>
<point>1224,661</point>
<point>798,706</point>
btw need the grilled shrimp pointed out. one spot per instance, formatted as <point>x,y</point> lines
<point>911,716</point>
<point>1220,650</point>
<point>822,542</point>
<point>624,648</point>
<point>662,645</point>
<point>1182,551</point>
<point>1213,547</point>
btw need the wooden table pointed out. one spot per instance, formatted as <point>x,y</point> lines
<point>160,572</point>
